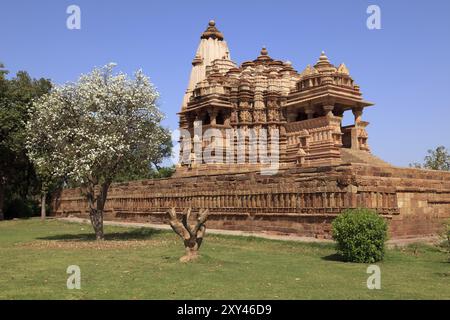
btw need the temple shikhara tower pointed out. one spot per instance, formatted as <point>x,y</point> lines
<point>323,167</point>
<point>306,108</point>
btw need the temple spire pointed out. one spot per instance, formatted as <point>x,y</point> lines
<point>212,46</point>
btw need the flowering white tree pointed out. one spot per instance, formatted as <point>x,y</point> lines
<point>95,129</point>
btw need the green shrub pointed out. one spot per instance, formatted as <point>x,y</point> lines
<point>360,235</point>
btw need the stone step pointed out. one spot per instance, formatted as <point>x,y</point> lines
<point>359,156</point>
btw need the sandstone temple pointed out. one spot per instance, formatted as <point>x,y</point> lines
<point>323,167</point>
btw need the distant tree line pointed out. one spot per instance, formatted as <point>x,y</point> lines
<point>18,180</point>
<point>437,159</point>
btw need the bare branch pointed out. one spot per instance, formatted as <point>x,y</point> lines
<point>177,226</point>
<point>186,218</point>
<point>201,219</point>
<point>201,232</point>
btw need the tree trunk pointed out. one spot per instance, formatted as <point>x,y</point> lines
<point>2,201</point>
<point>191,250</point>
<point>43,198</point>
<point>96,207</point>
<point>97,223</point>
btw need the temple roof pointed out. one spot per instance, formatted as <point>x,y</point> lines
<point>215,75</point>
<point>325,81</point>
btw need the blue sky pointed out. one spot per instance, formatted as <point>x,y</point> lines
<point>404,67</point>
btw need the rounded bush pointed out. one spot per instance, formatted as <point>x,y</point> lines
<point>360,235</point>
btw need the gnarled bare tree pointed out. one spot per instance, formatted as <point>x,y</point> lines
<point>192,235</point>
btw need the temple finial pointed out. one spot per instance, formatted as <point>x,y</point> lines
<point>323,63</point>
<point>323,56</point>
<point>264,51</point>
<point>212,32</point>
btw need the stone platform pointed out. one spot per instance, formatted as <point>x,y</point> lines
<point>297,201</point>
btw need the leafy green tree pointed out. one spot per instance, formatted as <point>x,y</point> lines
<point>49,184</point>
<point>438,159</point>
<point>95,130</point>
<point>3,72</point>
<point>162,172</point>
<point>17,175</point>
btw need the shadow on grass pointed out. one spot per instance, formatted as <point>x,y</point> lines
<point>138,234</point>
<point>334,257</point>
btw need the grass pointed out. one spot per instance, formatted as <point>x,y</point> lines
<point>143,264</point>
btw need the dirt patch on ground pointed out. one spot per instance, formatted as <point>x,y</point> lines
<point>96,245</point>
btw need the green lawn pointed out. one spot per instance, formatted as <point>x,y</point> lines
<point>143,264</point>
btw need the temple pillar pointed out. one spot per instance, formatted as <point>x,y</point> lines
<point>328,109</point>
<point>357,112</point>
<point>212,116</point>
<point>339,113</point>
<point>309,110</point>
<point>291,116</point>
<point>227,120</point>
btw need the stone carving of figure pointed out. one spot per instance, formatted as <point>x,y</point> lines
<point>192,160</point>
<point>301,155</point>
<point>259,116</point>
<point>233,117</point>
<point>245,116</point>
<point>272,104</point>
<point>243,105</point>
<point>274,115</point>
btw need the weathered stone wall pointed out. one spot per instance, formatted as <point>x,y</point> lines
<point>423,198</point>
<point>302,201</point>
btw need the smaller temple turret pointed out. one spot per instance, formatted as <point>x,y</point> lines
<point>325,92</point>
